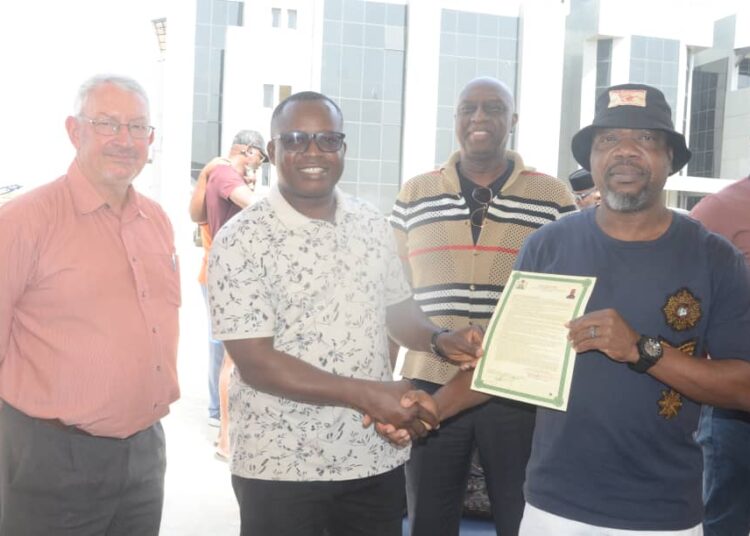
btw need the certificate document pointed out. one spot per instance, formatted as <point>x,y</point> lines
<point>527,356</point>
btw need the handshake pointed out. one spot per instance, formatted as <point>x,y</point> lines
<point>401,413</point>
<point>421,417</point>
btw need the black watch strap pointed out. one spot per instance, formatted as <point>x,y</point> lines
<point>650,351</point>
<point>433,343</point>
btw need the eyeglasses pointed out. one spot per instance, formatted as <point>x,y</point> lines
<point>483,196</point>
<point>298,142</point>
<point>107,127</point>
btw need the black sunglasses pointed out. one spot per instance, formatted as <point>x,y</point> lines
<point>298,142</point>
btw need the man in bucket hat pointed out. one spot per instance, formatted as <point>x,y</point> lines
<point>622,458</point>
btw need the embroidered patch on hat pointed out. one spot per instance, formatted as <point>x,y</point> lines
<point>627,97</point>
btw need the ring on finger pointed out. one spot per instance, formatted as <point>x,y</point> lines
<point>592,332</point>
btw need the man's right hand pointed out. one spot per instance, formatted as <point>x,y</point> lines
<point>411,399</point>
<point>386,404</point>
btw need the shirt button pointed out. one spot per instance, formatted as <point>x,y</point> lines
<point>132,259</point>
<point>472,287</point>
<point>153,330</point>
<point>158,368</point>
<point>143,294</point>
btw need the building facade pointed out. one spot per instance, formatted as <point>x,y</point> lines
<point>396,66</point>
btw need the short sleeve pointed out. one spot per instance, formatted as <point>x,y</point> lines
<point>226,179</point>
<point>239,285</point>
<point>729,317</point>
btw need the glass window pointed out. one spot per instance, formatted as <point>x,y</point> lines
<point>291,18</point>
<point>370,142</point>
<point>333,9</point>
<point>284,92</point>
<point>372,111</point>
<point>705,135</point>
<point>275,17</point>
<point>267,95</point>
<point>743,74</point>
<point>375,13</point>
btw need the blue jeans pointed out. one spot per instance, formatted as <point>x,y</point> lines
<point>215,357</point>
<point>725,438</point>
<point>437,472</point>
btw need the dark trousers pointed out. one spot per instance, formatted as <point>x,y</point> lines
<point>725,438</point>
<point>438,470</point>
<point>62,482</point>
<point>372,506</point>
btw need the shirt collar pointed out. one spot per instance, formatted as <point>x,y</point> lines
<point>292,218</point>
<point>86,199</point>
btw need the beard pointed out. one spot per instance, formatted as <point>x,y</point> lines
<point>622,202</point>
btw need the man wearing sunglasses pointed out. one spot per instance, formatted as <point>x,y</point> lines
<point>302,286</point>
<point>459,229</point>
<point>89,298</point>
<point>585,192</point>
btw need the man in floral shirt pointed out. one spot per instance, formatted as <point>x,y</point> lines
<point>304,288</point>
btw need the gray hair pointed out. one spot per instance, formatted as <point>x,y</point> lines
<point>123,82</point>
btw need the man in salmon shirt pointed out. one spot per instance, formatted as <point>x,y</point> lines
<point>89,298</point>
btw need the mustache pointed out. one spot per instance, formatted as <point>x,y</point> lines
<point>625,165</point>
<point>121,153</point>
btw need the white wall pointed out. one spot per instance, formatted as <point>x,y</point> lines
<point>47,48</point>
<point>421,96</point>
<point>539,99</point>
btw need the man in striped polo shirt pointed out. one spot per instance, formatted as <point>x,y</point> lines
<point>459,229</point>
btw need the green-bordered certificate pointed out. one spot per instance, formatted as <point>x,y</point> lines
<point>527,356</point>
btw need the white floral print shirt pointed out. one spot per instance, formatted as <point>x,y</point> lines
<point>321,291</point>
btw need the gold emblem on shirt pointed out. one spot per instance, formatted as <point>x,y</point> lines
<point>682,310</point>
<point>670,402</point>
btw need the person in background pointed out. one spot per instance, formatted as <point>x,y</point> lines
<point>584,191</point>
<point>229,187</point>
<point>458,231</point>
<point>723,433</point>
<point>198,214</point>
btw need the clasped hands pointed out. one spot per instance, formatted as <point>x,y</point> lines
<point>415,412</point>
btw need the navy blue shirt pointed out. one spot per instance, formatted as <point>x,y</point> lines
<point>623,454</point>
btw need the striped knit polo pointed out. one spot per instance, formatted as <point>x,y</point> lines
<point>455,281</point>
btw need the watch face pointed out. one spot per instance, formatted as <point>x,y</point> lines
<point>652,347</point>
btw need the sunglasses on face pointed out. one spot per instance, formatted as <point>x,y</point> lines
<point>298,142</point>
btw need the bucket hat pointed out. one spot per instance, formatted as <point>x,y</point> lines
<point>632,106</point>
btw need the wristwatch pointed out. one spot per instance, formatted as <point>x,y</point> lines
<point>650,351</point>
<point>433,343</point>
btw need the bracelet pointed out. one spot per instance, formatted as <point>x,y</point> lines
<point>433,343</point>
